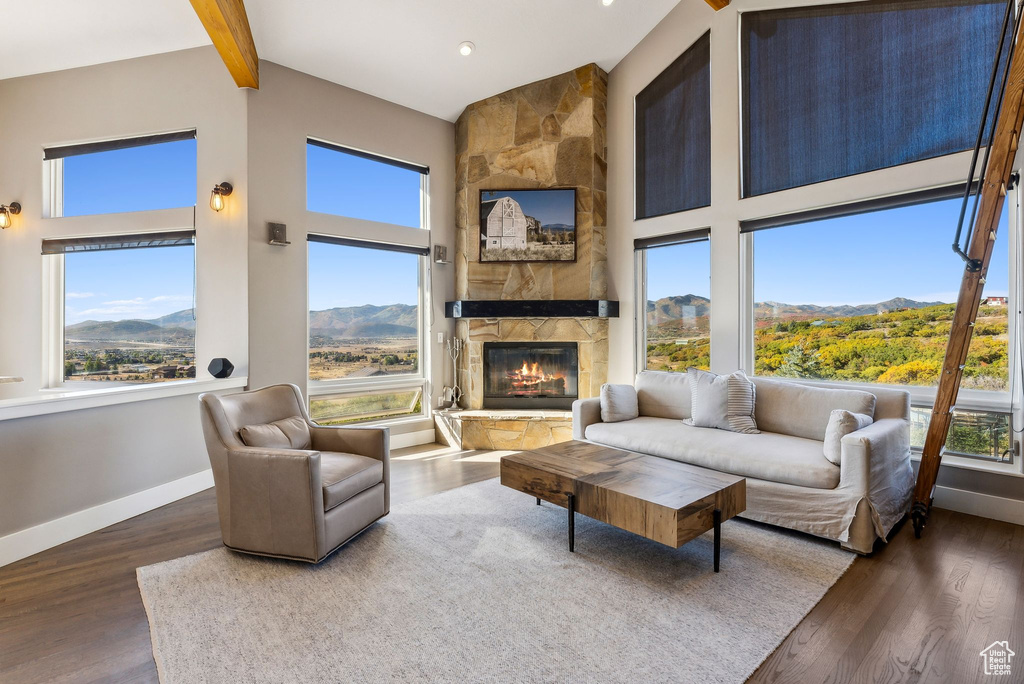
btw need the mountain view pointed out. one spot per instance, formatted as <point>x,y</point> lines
<point>897,341</point>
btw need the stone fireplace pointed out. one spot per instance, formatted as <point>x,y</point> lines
<point>548,134</point>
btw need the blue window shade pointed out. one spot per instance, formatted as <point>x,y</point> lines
<point>838,90</point>
<point>673,136</point>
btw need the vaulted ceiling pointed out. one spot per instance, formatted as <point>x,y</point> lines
<point>405,51</point>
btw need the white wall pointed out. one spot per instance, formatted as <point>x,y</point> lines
<point>289,107</point>
<point>730,348</point>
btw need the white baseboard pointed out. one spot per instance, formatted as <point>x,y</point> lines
<point>409,439</point>
<point>27,542</point>
<point>984,505</point>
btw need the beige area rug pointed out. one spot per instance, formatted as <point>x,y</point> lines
<point>477,585</point>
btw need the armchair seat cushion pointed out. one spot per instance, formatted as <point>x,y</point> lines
<point>345,475</point>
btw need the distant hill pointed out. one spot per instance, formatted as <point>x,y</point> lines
<point>801,311</point>
<point>133,331</point>
<point>683,315</point>
<point>179,319</point>
<point>349,322</point>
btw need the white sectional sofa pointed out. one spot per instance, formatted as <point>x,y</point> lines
<point>789,481</point>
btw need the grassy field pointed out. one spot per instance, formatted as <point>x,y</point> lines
<point>331,359</point>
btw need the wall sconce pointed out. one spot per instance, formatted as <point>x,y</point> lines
<point>5,213</point>
<point>220,191</point>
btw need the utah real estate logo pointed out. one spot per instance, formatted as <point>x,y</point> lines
<point>997,658</point>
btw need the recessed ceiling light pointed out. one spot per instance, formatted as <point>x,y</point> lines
<point>466,48</point>
<point>607,2</point>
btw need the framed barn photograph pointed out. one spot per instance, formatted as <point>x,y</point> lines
<point>528,225</point>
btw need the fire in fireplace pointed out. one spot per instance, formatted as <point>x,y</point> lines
<point>530,374</point>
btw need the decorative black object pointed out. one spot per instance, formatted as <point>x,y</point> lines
<point>532,308</point>
<point>221,368</point>
<point>528,225</point>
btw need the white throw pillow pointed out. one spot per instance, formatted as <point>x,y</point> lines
<point>840,424</point>
<point>618,403</point>
<point>725,402</point>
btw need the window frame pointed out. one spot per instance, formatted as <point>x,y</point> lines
<point>921,397</point>
<point>640,248</point>
<point>54,302</point>
<point>57,226</point>
<point>369,233</point>
<point>424,172</point>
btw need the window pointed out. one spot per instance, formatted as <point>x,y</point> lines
<point>676,286</point>
<point>869,297</point>
<point>838,90</point>
<point>359,185</point>
<point>673,136</point>
<point>365,330</point>
<point>127,308</point>
<point>134,174</point>
<point>981,435</point>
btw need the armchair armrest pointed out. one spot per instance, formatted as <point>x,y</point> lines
<point>275,501</point>
<point>585,412</point>
<point>373,442</point>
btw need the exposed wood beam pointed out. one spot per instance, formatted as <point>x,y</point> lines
<point>993,193</point>
<point>718,4</point>
<point>228,26</point>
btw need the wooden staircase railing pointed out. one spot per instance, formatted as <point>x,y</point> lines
<point>978,254</point>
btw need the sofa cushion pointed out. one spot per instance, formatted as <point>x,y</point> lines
<point>840,424</point>
<point>790,408</point>
<point>725,402</point>
<point>663,395</point>
<point>618,402</point>
<point>287,433</point>
<point>345,475</point>
<point>765,456</point>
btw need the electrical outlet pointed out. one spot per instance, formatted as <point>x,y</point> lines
<point>440,338</point>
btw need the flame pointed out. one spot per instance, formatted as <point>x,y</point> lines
<point>531,375</point>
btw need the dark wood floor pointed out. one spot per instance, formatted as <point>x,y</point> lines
<point>916,611</point>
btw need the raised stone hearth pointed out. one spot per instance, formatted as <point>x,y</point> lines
<point>548,134</point>
<point>503,429</point>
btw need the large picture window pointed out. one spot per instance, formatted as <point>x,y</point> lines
<point>870,297</point>
<point>127,305</point>
<point>365,330</point>
<point>676,289</point>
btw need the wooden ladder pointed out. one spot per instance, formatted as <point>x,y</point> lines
<point>992,190</point>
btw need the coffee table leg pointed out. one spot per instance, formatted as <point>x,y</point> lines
<point>538,501</point>
<point>571,505</point>
<point>717,517</point>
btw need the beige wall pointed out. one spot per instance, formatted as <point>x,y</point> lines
<point>730,348</point>
<point>54,465</point>
<point>289,107</point>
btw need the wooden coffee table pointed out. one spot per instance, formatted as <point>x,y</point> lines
<point>660,499</point>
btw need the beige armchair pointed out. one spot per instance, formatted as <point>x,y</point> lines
<point>287,487</point>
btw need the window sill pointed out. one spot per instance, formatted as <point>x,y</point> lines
<point>964,463</point>
<point>57,401</point>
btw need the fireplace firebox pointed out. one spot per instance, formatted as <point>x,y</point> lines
<point>530,374</point>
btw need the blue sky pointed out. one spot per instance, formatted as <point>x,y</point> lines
<point>353,276</point>
<point>346,185</point>
<point>861,259</point>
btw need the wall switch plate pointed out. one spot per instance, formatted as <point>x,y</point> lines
<point>440,338</point>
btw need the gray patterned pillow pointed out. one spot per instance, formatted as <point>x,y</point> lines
<point>725,402</point>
